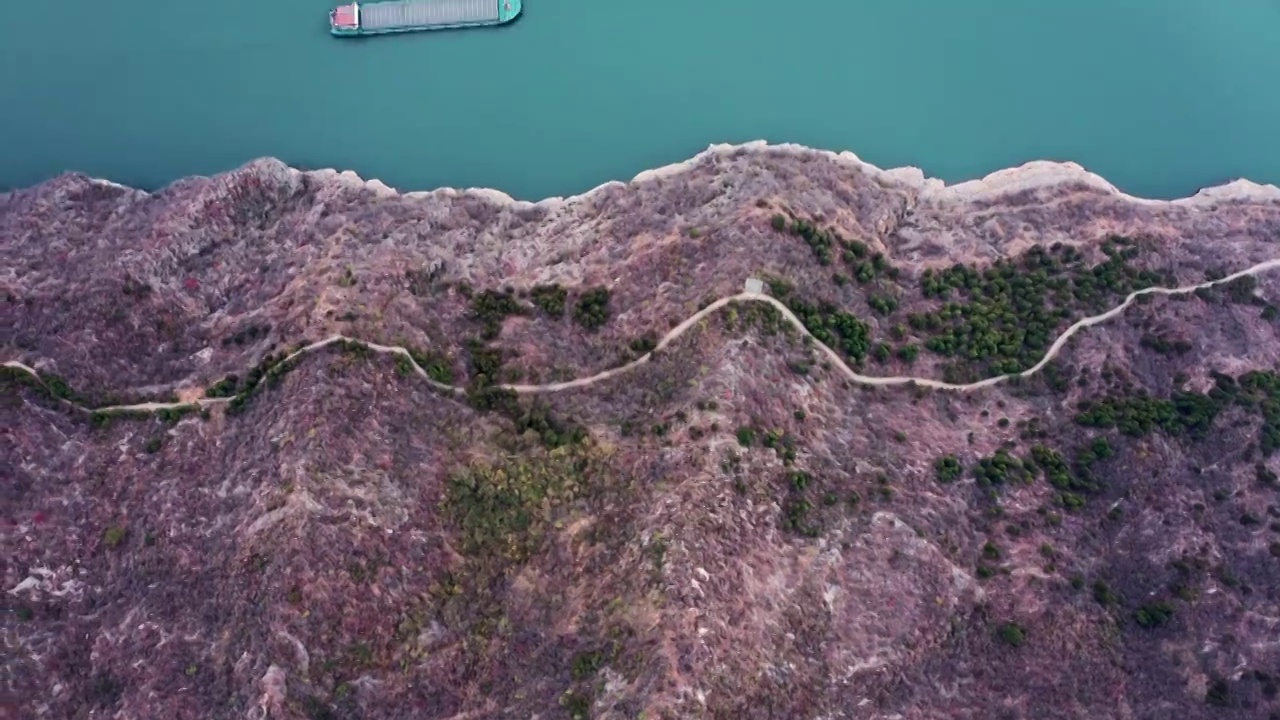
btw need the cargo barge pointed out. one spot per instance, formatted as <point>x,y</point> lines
<point>397,16</point>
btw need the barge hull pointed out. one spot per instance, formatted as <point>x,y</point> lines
<point>397,16</point>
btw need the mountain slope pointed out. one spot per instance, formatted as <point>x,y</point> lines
<point>732,528</point>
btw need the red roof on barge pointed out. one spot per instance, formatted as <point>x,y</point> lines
<point>343,16</point>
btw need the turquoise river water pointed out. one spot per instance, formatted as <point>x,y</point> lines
<point>1161,97</point>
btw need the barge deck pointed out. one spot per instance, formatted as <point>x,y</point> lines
<point>395,16</point>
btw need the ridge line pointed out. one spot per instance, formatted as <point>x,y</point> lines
<point>677,331</point>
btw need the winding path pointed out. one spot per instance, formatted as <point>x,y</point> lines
<point>683,327</point>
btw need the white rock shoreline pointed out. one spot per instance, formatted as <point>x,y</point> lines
<point>1031,176</point>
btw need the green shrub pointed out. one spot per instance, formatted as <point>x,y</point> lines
<point>576,704</point>
<point>799,480</point>
<point>114,536</point>
<point>645,343</point>
<point>435,365</point>
<point>883,304</point>
<point>226,387</point>
<point>592,309</point>
<point>795,511</point>
<point>947,468</point>
<point>1011,634</point>
<point>1103,595</point>
<point>587,664</point>
<point>833,327</point>
<point>1154,614</point>
<point>58,387</point>
<point>485,360</point>
<point>1219,693</point>
<point>491,308</point>
<point>550,299</point>
<point>1000,468</point>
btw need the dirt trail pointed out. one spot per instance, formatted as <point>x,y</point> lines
<point>692,320</point>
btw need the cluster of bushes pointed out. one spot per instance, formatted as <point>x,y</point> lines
<point>644,344</point>
<point>1011,634</point>
<point>586,664</point>
<point>47,385</point>
<point>552,431</point>
<point>101,420</point>
<point>1261,390</point>
<point>883,304</point>
<point>491,307</point>
<point>1006,317</point>
<point>1149,615</point>
<point>1242,290</point>
<point>1072,479</point>
<point>948,468</point>
<point>1056,377</point>
<point>1001,468</point>
<point>864,271</point>
<point>863,264</point>
<point>766,318</point>
<point>226,387</point>
<point>436,365</point>
<point>796,507</point>
<point>835,328</point>
<point>1140,414</point>
<point>1013,310</point>
<point>1191,414</point>
<point>592,308</point>
<point>483,390</point>
<point>168,416</point>
<point>550,299</point>
<point>1075,480</point>
<point>484,361</point>
<point>270,369</point>
<point>501,511</point>
<point>59,388</point>
<point>782,443</point>
<point>249,334</point>
<point>485,395</point>
<point>823,243</point>
<point>1154,614</point>
<point>1165,345</point>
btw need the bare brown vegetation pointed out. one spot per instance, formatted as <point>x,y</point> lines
<point>732,530</point>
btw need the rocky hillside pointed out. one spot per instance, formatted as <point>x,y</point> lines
<point>737,524</point>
